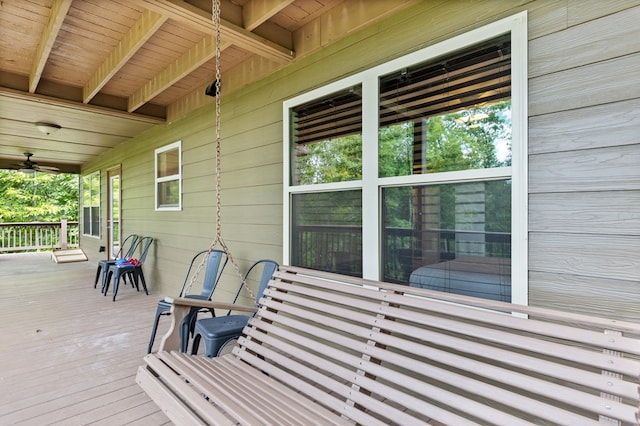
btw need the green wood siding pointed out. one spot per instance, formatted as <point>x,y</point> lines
<point>584,178</point>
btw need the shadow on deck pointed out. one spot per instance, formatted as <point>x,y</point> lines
<point>68,355</point>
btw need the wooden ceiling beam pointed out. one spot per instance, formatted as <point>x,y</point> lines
<point>9,95</point>
<point>133,40</point>
<point>59,11</point>
<point>256,12</point>
<point>181,67</point>
<point>255,44</point>
<point>201,20</point>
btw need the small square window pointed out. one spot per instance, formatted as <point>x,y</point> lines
<point>168,177</point>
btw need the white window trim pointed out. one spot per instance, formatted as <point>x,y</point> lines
<point>371,184</point>
<point>178,176</point>
<point>99,177</point>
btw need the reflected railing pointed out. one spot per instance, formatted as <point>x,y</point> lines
<point>339,248</point>
<point>328,248</point>
<point>34,236</point>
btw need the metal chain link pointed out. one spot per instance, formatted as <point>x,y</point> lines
<point>216,14</point>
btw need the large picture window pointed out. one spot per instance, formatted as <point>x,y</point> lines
<point>414,172</point>
<point>91,204</point>
<point>168,177</point>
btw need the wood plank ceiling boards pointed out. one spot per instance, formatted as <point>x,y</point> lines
<point>104,71</point>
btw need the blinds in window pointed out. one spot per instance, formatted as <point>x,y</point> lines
<point>333,116</point>
<point>476,76</point>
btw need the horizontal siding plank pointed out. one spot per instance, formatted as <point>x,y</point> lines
<point>598,256</point>
<point>603,82</point>
<point>256,233</point>
<point>545,17</point>
<point>586,295</point>
<point>199,220</point>
<point>579,11</point>
<point>233,178</point>
<point>257,157</point>
<point>608,212</point>
<point>263,108</point>
<point>270,174</point>
<point>249,197</point>
<point>584,128</point>
<point>602,169</point>
<point>591,42</point>
<point>246,141</point>
<point>264,119</point>
<point>204,200</point>
<point>267,194</point>
<point>203,185</point>
<point>269,215</point>
<point>250,250</point>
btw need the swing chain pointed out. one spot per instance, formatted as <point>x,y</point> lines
<point>216,22</point>
<point>216,16</point>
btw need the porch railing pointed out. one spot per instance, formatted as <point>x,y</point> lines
<point>32,236</point>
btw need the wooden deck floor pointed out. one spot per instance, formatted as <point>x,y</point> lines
<point>68,355</point>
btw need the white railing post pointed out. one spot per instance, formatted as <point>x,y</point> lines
<point>63,233</point>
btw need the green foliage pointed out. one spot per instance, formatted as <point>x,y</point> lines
<point>395,150</point>
<point>474,138</point>
<point>332,160</point>
<point>453,141</point>
<point>38,197</point>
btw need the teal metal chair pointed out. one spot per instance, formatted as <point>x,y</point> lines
<point>132,271</point>
<point>217,332</point>
<point>126,250</point>
<point>215,262</point>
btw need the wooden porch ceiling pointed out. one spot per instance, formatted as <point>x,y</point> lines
<point>107,70</point>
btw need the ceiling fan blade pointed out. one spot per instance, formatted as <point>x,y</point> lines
<point>47,168</point>
<point>29,165</point>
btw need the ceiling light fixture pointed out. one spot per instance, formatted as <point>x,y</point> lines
<point>47,128</point>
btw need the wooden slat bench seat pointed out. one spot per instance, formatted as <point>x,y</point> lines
<point>331,349</point>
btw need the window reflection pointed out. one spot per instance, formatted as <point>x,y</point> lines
<point>454,237</point>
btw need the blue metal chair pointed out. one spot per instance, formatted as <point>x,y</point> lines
<point>216,332</point>
<point>216,260</point>
<point>126,250</point>
<point>134,272</point>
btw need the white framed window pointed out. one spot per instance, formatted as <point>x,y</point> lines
<point>168,177</point>
<point>415,171</point>
<point>91,205</point>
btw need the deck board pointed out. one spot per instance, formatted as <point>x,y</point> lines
<point>69,355</point>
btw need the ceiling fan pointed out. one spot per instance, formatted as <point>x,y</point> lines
<point>29,166</point>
